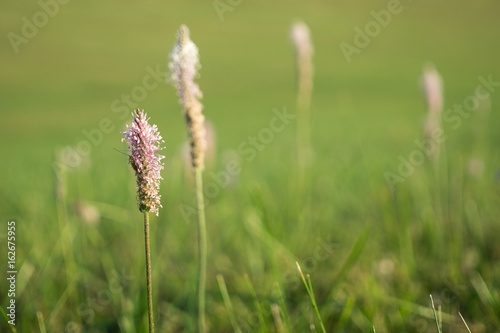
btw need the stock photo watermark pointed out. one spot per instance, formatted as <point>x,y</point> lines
<point>223,6</point>
<point>454,116</point>
<point>102,299</point>
<point>31,27</point>
<point>11,272</point>
<point>323,249</point>
<point>248,150</point>
<point>448,296</point>
<point>364,36</point>
<point>72,156</point>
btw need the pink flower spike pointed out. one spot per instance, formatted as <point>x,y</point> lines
<point>144,141</point>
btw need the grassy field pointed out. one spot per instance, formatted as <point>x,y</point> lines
<point>374,253</point>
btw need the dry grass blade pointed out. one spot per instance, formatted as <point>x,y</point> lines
<point>278,323</point>
<point>465,323</point>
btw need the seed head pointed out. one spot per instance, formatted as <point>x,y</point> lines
<point>144,141</point>
<point>184,64</point>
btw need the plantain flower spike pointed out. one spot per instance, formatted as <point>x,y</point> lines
<point>432,86</point>
<point>144,141</point>
<point>300,36</point>
<point>184,64</point>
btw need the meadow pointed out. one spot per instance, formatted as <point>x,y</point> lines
<point>374,252</point>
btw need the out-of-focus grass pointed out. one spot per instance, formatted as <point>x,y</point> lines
<point>427,237</point>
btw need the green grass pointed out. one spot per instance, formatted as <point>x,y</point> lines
<point>385,251</point>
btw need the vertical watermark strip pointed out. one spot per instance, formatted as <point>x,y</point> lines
<point>11,271</point>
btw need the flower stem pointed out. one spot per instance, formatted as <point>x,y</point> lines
<point>202,250</point>
<point>148,273</point>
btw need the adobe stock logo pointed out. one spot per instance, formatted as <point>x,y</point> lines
<point>363,37</point>
<point>454,117</point>
<point>72,156</point>
<point>225,6</point>
<point>248,150</point>
<point>30,28</point>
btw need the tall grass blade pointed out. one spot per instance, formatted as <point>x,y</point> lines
<point>353,256</point>
<point>41,322</point>
<point>278,323</point>
<point>256,303</point>
<point>281,301</point>
<point>346,313</point>
<point>436,317</point>
<point>228,303</point>
<point>308,284</point>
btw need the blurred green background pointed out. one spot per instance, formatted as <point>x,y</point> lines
<point>434,236</point>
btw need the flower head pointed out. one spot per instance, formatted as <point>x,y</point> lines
<point>144,141</point>
<point>184,64</point>
<point>432,85</point>
<point>301,39</point>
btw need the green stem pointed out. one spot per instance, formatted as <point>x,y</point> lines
<point>438,326</point>
<point>148,273</point>
<point>202,250</point>
<point>308,284</point>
